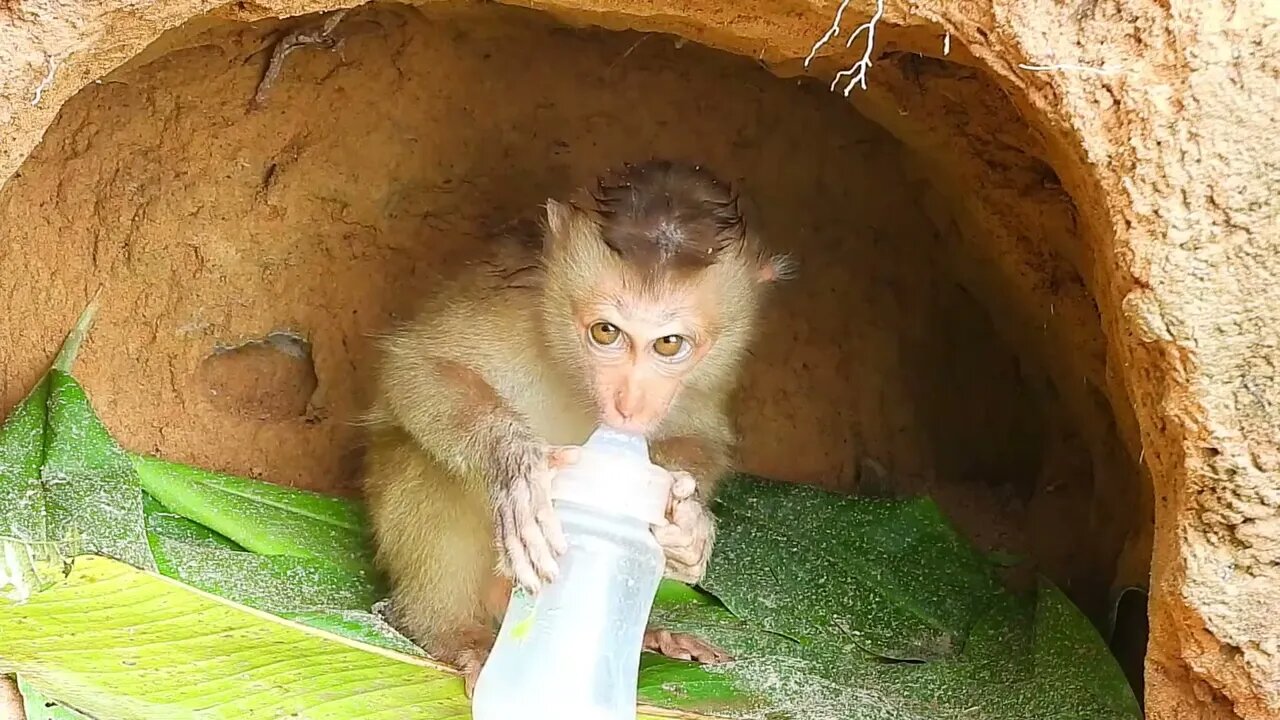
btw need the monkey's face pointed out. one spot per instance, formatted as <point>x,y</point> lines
<point>653,291</point>
<point>637,356</point>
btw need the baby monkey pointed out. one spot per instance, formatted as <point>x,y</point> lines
<point>631,306</point>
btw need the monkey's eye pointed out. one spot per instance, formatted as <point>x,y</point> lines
<point>605,334</point>
<point>670,346</point>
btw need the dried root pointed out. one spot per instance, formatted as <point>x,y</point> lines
<point>321,36</point>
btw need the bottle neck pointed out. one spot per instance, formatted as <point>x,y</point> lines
<point>614,475</point>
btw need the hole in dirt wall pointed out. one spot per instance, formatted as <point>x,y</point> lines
<point>374,169</point>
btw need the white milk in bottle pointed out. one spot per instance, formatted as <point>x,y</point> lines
<point>572,652</point>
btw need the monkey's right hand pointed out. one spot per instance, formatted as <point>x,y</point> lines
<point>529,534</point>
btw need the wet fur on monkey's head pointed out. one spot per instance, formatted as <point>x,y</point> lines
<point>653,284</point>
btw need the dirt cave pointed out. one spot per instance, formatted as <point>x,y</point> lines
<point>967,323</point>
<point>224,237</point>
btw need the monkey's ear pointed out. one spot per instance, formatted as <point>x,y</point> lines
<point>777,268</point>
<point>560,222</point>
<point>567,224</point>
<point>559,215</point>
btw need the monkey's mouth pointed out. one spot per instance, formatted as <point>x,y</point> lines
<point>636,426</point>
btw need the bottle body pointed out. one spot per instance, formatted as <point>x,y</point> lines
<point>573,650</point>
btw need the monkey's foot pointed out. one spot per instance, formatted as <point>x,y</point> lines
<point>471,667</point>
<point>680,646</point>
<point>467,652</point>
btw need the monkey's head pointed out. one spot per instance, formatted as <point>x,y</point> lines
<point>653,287</point>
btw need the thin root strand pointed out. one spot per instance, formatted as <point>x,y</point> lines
<point>831,32</point>
<point>51,69</point>
<point>1072,67</point>
<point>857,73</point>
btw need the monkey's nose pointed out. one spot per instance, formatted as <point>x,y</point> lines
<point>626,403</point>
<point>627,415</point>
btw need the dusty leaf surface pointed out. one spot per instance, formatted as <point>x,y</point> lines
<point>65,479</point>
<point>800,649</point>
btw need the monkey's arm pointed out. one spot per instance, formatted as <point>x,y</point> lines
<point>705,458</point>
<point>698,453</point>
<point>454,413</point>
<point>698,439</point>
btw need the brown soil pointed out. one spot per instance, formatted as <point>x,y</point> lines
<point>271,379</point>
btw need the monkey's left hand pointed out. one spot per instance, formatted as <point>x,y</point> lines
<point>688,539</point>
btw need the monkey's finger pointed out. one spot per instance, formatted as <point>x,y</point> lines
<point>550,525</point>
<point>471,664</point>
<point>516,557</point>
<point>689,556</point>
<point>691,573</point>
<point>688,523</point>
<point>503,566</point>
<point>673,649</point>
<point>536,545</point>
<point>700,650</point>
<point>539,552</point>
<point>682,546</point>
<point>470,676</point>
<point>680,574</point>
<point>690,515</point>
<point>683,486</point>
<point>673,536</point>
<point>563,455</point>
<point>662,642</point>
<point>653,639</point>
<point>520,565</point>
<point>687,562</point>
<point>529,498</point>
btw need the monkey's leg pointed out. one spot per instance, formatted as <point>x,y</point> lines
<point>433,537</point>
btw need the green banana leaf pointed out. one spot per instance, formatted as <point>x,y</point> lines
<point>170,651</point>
<point>832,607</point>
<point>37,705</point>
<point>897,619</point>
<point>166,650</point>
<point>260,517</point>
<point>63,477</point>
<point>1024,658</point>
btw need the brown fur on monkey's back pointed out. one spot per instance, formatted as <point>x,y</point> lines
<point>431,538</point>
<point>487,322</point>
<point>433,529</point>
